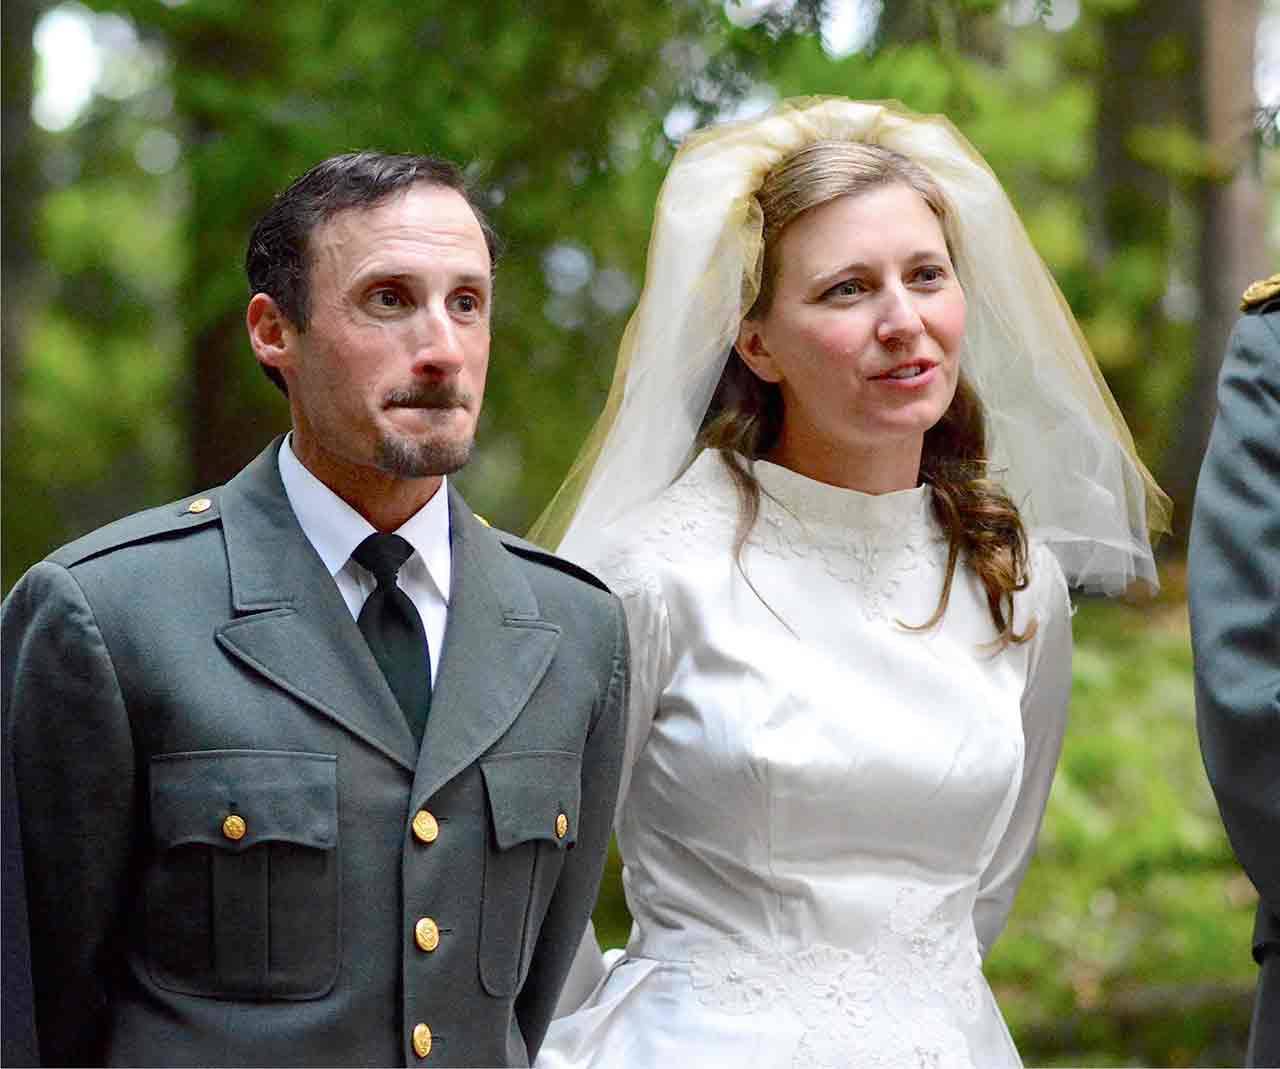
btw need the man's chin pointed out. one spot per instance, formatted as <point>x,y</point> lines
<point>407,458</point>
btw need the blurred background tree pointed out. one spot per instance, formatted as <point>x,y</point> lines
<point>142,138</point>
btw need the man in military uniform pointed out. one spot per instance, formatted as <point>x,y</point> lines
<point>1234,594</point>
<point>314,767</point>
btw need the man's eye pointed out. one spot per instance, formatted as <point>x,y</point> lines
<point>387,299</point>
<point>467,302</point>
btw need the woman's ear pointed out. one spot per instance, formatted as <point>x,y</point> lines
<point>755,353</point>
<point>270,333</point>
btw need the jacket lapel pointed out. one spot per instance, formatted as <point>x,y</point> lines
<point>292,626</point>
<point>496,649</point>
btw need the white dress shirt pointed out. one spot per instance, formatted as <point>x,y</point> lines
<point>335,529</point>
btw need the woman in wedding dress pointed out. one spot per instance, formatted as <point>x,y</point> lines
<point>855,452</point>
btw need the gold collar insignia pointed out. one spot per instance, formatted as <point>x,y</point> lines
<point>1260,292</point>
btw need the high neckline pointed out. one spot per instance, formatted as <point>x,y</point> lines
<point>816,503</point>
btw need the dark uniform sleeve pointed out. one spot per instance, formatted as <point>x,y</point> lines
<point>579,882</point>
<point>1234,595</point>
<point>71,752</point>
<point>17,1010</point>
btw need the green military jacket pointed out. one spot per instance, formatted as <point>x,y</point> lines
<point>234,852</point>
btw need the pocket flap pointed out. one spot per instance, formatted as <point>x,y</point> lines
<point>235,799</point>
<point>534,794</point>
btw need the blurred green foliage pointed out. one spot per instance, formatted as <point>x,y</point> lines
<point>135,382</point>
<point>1134,911</point>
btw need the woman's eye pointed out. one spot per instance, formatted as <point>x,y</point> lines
<point>467,303</point>
<point>930,274</point>
<point>849,288</point>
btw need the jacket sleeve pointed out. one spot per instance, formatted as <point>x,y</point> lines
<point>570,909</point>
<point>69,741</point>
<point>1234,597</point>
<point>1044,721</point>
<point>17,1011</point>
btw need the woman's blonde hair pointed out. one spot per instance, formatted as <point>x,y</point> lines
<point>745,416</point>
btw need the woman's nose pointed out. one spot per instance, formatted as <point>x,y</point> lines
<point>900,321</point>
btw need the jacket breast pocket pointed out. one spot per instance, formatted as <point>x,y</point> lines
<point>533,800</point>
<point>243,898</point>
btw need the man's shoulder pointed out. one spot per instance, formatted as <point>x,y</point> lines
<point>164,521</point>
<point>543,559</point>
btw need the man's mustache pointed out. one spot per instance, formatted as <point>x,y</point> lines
<point>428,396</point>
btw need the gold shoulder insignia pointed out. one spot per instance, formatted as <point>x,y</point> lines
<point>1260,292</point>
<point>482,519</point>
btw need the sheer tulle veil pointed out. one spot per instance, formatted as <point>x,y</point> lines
<point>1057,440</point>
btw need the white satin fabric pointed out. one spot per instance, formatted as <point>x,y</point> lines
<point>824,815</point>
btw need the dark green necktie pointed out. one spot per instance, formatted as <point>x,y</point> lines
<point>391,625</point>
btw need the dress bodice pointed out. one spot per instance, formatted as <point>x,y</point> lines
<point>827,808</point>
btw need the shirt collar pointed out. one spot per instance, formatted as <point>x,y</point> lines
<point>334,528</point>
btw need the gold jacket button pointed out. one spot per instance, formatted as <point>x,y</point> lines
<point>200,504</point>
<point>562,826</point>
<point>425,828</point>
<point>234,827</point>
<point>426,933</point>
<point>421,1040</point>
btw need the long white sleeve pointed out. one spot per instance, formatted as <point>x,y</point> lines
<point>650,641</point>
<point>1044,720</point>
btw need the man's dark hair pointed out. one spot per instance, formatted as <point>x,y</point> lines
<point>278,261</point>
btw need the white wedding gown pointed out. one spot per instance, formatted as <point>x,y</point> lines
<point>824,815</point>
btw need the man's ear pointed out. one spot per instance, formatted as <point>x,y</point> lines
<point>270,333</point>
<point>755,353</point>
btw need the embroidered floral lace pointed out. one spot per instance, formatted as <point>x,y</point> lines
<point>894,1005</point>
<point>874,558</point>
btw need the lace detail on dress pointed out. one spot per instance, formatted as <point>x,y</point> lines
<point>685,524</point>
<point>872,543</point>
<point>626,574</point>
<point>897,1005</point>
<point>874,557</point>
<point>693,519</point>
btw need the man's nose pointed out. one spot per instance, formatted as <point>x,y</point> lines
<point>900,320</point>
<point>437,342</point>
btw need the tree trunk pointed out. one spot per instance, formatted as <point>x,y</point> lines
<point>1232,224</point>
<point>231,413</point>
<point>19,267</point>
<point>1150,80</point>
<point>1134,90</point>
<point>20,182</point>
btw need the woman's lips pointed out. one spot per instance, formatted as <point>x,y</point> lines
<point>908,375</point>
